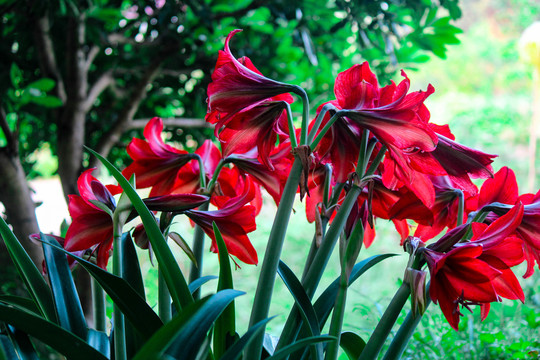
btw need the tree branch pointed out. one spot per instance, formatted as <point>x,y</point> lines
<point>47,58</point>
<point>186,123</point>
<point>94,51</point>
<point>104,81</point>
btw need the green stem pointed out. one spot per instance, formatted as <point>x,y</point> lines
<point>377,339</point>
<point>338,314</point>
<point>314,248</point>
<point>198,251</point>
<point>212,182</point>
<point>318,121</point>
<point>404,334</point>
<point>305,114</point>
<point>267,277</point>
<point>376,162</point>
<point>202,172</point>
<point>325,129</point>
<point>290,121</point>
<point>314,274</point>
<point>98,305</point>
<point>363,156</point>
<point>118,317</point>
<point>461,206</point>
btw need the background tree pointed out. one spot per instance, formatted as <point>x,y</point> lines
<point>116,63</point>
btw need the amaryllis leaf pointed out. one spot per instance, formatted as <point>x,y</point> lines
<point>234,352</point>
<point>21,344</point>
<point>49,333</point>
<point>225,327</point>
<point>35,284</point>
<point>20,302</point>
<point>196,284</point>
<point>136,310</point>
<point>132,274</point>
<point>302,300</point>
<point>324,304</point>
<point>68,306</point>
<point>99,341</point>
<point>188,329</point>
<point>352,344</point>
<point>179,240</point>
<point>176,283</point>
<point>299,345</point>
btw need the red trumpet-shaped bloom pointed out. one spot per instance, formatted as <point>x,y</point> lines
<point>503,189</point>
<point>155,164</point>
<point>237,85</point>
<point>91,226</point>
<point>235,220</point>
<point>477,272</point>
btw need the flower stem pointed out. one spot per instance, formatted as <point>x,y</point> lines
<point>198,250</point>
<point>406,330</point>
<point>98,305</point>
<point>118,317</point>
<point>305,114</point>
<point>318,121</point>
<point>267,277</point>
<point>290,122</point>
<point>202,172</point>
<point>377,339</point>
<point>461,206</point>
<point>325,129</point>
<point>316,269</point>
<point>337,318</point>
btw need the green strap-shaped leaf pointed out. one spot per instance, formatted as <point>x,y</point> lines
<point>352,344</point>
<point>49,333</point>
<point>303,302</point>
<point>196,284</point>
<point>299,345</point>
<point>188,329</point>
<point>20,302</point>
<point>234,352</point>
<point>20,343</point>
<point>325,302</point>
<point>99,341</point>
<point>136,310</point>
<point>68,306</point>
<point>167,263</point>
<point>35,284</point>
<point>131,272</point>
<point>225,327</point>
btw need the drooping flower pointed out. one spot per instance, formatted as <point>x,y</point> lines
<point>91,213</point>
<point>503,190</point>
<point>237,85</point>
<point>234,220</point>
<point>155,164</point>
<point>477,272</point>
<point>395,118</point>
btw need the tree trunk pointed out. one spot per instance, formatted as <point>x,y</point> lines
<point>19,206</point>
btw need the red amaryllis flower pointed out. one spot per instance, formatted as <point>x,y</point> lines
<point>478,272</point>
<point>155,164</point>
<point>258,126</point>
<point>503,189</point>
<point>92,225</point>
<point>397,119</point>
<point>432,220</point>
<point>272,181</point>
<point>235,220</point>
<point>237,84</point>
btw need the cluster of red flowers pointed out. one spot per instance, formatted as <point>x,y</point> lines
<point>423,177</point>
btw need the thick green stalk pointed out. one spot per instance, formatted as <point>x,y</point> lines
<point>314,274</point>
<point>98,306</point>
<point>325,129</point>
<point>305,114</point>
<point>318,121</point>
<point>337,318</point>
<point>290,122</point>
<point>461,206</point>
<point>314,248</point>
<point>406,330</point>
<point>198,251</point>
<point>118,317</point>
<point>267,277</point>
<point>377,339</point>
